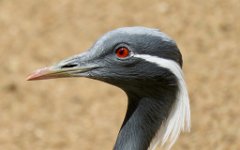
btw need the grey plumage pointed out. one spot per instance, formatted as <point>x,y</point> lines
<point>150,75</point>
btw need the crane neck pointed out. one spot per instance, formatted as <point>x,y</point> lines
<point>142,121</point>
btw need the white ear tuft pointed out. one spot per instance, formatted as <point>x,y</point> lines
<point>179,117</point>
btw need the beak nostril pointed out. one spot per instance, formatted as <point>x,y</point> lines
<point>69,65</point>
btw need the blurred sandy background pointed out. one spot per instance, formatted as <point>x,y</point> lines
<point>73,114</point>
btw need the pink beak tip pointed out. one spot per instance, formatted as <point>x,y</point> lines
<point>38,73</point>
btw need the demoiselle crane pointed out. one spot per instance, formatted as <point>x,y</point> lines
<point>146,64</point>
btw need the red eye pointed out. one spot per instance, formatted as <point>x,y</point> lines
<point>122,52</point>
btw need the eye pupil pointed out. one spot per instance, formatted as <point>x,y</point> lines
<point>122,52</point>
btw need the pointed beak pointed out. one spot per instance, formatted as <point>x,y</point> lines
<point>49,73</point>
<point>71,67</point>
<point>43,73</point>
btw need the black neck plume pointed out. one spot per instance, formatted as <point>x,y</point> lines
<point>143,119</point>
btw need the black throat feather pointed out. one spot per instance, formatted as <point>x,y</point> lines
<point>146,111</point>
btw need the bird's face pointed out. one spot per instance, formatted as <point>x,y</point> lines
<point>115,58</point>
